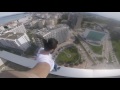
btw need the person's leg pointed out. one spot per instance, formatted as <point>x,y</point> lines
<point>55,67</point>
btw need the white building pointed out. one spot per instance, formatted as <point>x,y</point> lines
<point>25,19</point>
<point>59,33</point>
<point>33,23</point>
<point>75,20</point>
<point>15,40</point>
<point>50,27</point>
<point>2,28</point>
<point>50,22</point>
<point>41,23</point>
<point>18,29</point>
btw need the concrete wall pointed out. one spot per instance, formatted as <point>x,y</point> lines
<point>2,61</point>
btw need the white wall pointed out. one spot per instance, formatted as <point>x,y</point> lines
<point>2,28</point>
<point>24,20</point>
<point>23,42</point>
<point>2,61</point>
<point>19,29</point>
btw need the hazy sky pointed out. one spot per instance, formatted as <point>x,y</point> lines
<point>8,13</point>
<point>114,15</point>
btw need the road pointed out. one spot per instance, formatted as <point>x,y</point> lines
<point>83,54</point>
<point>112,54</point>
<point>90,57</point>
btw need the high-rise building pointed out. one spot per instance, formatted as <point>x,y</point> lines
<point>14,40</point>
<point>75,20</point>
<point>25,19</point>
<point>18,29</point>
<point>60,33</point>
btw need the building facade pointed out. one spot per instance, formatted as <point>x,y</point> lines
<point>14,40</point>
<point>2,28</point>
<point>19,29</point>
<point>75,20</point>
<point>25,19</point>
<point>41,23</point>
<point>60,34</point>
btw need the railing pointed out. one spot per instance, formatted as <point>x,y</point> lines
<point>63,71</point>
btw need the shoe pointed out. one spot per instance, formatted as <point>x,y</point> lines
<point>58,68</point>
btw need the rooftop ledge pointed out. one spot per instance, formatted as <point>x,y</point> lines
<point>64,71</point>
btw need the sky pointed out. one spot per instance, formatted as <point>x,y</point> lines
<point>114,15</point>
<point>8,13</point>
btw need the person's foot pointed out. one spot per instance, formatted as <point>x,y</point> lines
<point>54,70</point>
<point>58,68</point>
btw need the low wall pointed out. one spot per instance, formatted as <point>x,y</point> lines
<point>64,71</point>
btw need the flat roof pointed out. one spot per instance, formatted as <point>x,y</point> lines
<point>95,35</point>
<point>11,35</point>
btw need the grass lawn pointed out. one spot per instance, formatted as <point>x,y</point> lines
<point>97,49</point>
<point>64,59</point>
<point>116,47</point>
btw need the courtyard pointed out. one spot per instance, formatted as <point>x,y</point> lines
<point>69,55</point>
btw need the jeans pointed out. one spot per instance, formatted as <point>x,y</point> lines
<point>55,67</point>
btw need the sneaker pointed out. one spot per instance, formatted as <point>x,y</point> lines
<point>58,68</point>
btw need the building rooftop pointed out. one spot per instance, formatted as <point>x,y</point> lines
<point>95,35</point>
<point>11,35</point>
<point>46,31</point>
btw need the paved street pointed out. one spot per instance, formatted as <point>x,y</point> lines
<point>91,58</point>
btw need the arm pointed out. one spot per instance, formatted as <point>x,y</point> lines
<point>41,70</point>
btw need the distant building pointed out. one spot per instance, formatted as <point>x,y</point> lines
<point>11,25</point>
<point>44,15</point>
<point>93,37</point>
<point>55,15</point>
<point>2,61</point>
<point>59,33</point>
<point>75,20</point>
<point>18,29</point>
<point>50,27</point>
<point>50,22</point>
<point>25,19</point>
<point>41,23</point>
<point>32,23</point>
<point>2,28</point>
<point>14,40</point>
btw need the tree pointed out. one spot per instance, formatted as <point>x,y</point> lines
<point>59,20</point>
<point>6,27</point>
<point>65,16</point>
